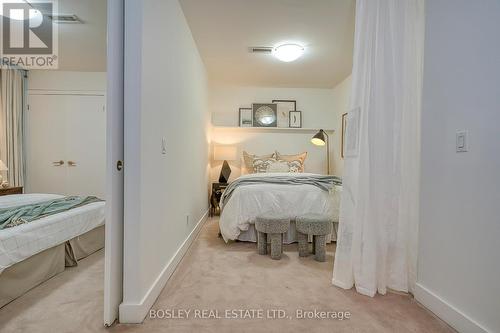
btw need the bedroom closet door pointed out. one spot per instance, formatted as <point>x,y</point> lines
<point>45,147</point>
<point>66,137</point>
<point>86,150</point>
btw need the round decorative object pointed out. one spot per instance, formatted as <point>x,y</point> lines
<point>265,116</point>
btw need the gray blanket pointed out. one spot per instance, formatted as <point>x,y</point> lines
<point>325,183</point>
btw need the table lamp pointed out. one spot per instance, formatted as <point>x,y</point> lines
<point>225,153</point>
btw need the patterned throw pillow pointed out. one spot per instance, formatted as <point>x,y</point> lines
<point>260,165</point>
<point>272,165</point>
<point>297,160</point>
<point>248,159</point>
<point>284,166</point>
<point>278,166</point>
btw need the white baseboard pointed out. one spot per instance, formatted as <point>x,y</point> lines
<point>134,313</point>
<point>447,312</point>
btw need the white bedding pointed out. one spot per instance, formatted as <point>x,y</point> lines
<point>23,241</point>
<point>248,201</point>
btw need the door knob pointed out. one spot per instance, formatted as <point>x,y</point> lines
<point>119,165</point>
<point>58,163</point>
<point>71,163</point>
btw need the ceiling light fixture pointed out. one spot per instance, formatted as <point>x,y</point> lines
<point>288,52</point>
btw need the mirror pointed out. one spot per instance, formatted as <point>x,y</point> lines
<point>265,115</point>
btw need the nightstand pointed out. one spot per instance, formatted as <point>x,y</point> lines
<point>217,189</point>
<point>11,190</point>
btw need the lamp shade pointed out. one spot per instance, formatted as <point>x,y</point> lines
<point>225,153</point>
<point>319,138</point>
<point>3,167</point>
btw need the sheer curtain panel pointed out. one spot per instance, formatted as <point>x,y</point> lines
<point>377,244</point>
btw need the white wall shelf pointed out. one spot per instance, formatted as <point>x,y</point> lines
<point>273,129</point>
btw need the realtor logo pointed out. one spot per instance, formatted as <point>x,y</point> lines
<point>29,36</point>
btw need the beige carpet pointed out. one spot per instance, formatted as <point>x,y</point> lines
<point>217,276</point>
<point>69,302</point>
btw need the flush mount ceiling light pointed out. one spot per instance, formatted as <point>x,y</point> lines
<point>288,52</point>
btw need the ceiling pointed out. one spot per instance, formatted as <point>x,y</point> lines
<point>225,29</point>
<point>82,47</point>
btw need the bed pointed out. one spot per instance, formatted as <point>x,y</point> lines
<point>246,202</point>
<point>33,252</point>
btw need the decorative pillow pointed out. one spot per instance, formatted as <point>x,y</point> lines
<point>284,166</point>
<point>272,165</point>
<point>278,166</point>
<point>248,159</point>
<point>299,160</point>
<point>260,165</point>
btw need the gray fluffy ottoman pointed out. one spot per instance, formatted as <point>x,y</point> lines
<point>274,228</point>
<point>318,226</point>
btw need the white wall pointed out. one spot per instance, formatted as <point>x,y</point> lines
<point>319,110</point>
<point>66,81</point>
<point>459,236</point>
<point>165,194</point>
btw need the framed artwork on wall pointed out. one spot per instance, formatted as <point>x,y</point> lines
<point>344,127</point>
<point>246,117</point>
<point>295,119</point>
<point>283,110</point>
<point>265,114</point>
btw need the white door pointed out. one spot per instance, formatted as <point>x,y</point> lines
<point>86,146</point>
<point>45,146</point>
<point>66,144</point>
<point>113,258</point>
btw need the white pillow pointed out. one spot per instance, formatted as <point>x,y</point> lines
<point>272,165</point>
<point>278,166</point>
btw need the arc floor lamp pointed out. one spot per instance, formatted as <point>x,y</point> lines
<point>321,139</point>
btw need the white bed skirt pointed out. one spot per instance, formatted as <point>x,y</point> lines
<point>290,236</point>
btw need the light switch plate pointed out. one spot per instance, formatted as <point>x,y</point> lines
<point>163,146</point>
<point>461,141</point>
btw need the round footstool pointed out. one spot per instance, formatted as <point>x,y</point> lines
<point>318,226</point>
<point>274,228</point>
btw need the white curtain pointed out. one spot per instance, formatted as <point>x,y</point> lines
<point>377,241</point>
<point>12,119</point>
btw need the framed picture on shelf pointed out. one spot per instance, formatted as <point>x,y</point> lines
<point>344,127</point>
<point>295,119</point>
<point>246,117</point>
<point>283,110</point>
<point>264,114</point>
